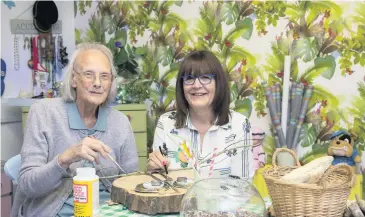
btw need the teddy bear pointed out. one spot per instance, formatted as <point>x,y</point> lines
<point>342,149</point>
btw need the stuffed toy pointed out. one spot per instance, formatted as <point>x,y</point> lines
<point>258,136</point>
<point>342,149</point>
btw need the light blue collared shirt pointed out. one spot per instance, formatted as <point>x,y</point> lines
<point>75,122</point>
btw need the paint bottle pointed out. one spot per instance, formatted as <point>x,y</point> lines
<point>86,192</point>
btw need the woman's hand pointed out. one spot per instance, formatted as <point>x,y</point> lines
<point>157,161</point>
<point>89,149</point>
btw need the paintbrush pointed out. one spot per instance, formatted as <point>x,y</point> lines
<point>164,161</point>
<point>116,163</point>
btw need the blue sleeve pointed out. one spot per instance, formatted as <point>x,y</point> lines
<point>354,154</point>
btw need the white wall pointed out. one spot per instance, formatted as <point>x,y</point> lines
<point>11,128</point>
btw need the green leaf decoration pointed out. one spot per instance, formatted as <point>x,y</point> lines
<point>154,25</point>
<point>332,115</point>
<point>229,12</point>
<point>171,20</point>
<point>274,63</point>
<point>171,73</point>
<point>217,33</point>
<point>234,91</point>
<point>330,49</point>
<point>141,50</point>
<point>362,60</point>
<point>336,10</point>
<point>306,48</point>
<point>293,11</point>
<point>320,93</point>
<point>325,66</point>
<point>78,34</point>
<point>121,36</point>
<point>312,15</point>
<point>121,57</point>
<point>166,57</point>
<point>178,3</point>
<point>156,38</point>
<point>244,107</point>
<point>308,135</point>
<point>243,29</point>
<point>236,55</point>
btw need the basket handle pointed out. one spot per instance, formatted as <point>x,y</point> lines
<point>341,167</point>
<point>274,156</point>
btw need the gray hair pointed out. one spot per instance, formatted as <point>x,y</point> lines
<point>68,92</point>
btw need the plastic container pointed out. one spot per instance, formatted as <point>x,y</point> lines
<point>86,192</point>
<point>215,197</point>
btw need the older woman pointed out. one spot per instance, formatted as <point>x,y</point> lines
<point>203,119</point>
<point>66,133</point>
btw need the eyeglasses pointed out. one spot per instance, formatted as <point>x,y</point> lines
<point>204,79</point>
<point>90,75</point>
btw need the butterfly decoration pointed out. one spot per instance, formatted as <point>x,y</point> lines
<point>174,131</point>
<point>9,4</point>
<point>231,153</point>
<point>172,116</point>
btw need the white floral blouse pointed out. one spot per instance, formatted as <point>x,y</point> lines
<point>227,139</point>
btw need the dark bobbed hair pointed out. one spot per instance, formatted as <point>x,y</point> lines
<point>197,63</point>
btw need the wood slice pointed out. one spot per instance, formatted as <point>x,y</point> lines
<point>165,201</point>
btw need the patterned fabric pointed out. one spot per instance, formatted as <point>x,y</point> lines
<point>236,161</point>
<point>121,211</point>
<point>258,156</point>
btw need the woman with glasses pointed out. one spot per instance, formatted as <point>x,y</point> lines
<point>204,122</point>
<point>78,130</point>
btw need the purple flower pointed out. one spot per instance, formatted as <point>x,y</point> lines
<point>126,27</point>
<point>118,44</point>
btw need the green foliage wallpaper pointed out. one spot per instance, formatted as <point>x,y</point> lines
<point>325,40</point>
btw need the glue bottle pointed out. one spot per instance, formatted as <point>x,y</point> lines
<point>86,192</point>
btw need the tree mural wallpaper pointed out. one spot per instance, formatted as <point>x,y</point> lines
<point>325,40</point>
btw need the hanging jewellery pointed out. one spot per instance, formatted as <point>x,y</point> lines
<point>55,55</point>
<point>16,53</point>
<point>63,53</point>
<point>26,43</point>
<point>30,61</point>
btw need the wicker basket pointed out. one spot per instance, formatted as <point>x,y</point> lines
<point>327,197</point>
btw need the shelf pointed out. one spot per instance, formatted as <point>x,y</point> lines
<point>22,102</point>
<point>18,101</point>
